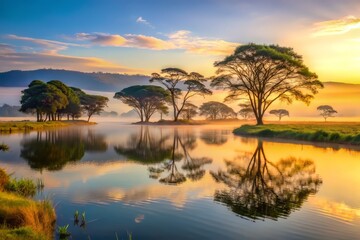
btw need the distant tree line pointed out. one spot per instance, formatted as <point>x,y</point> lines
<point>10,111</point>
<point>53,100</point>
<point>262,74</point>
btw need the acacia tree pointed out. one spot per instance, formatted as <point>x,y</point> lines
<point>216,110</point>
<point>279,113</point>
<point>94,104</point>
<point>264,74</point>
<point>145,100</point>
<point>73,107</point>
<point>246,111</point>
<point>326,111</point>
<point>43,98</point>
<point>189,111</point>
<point>172,78</point>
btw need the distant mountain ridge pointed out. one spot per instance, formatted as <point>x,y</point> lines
<point>97,81</point>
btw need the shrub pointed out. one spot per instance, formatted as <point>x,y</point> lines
<point>22,187</point>
<point>334,137</point>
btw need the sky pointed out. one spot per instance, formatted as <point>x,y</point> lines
<point>141,36</point>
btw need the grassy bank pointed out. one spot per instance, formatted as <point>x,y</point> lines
<point>20,216</point>
<point>22,126</point>
<point>341,133</point>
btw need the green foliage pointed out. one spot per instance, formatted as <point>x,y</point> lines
<point>332,133</point>
<point>264,74</point>
<point>93,104</point>
<point>21,233</point>
<point>22,187</point>
<point>145,99</point>
<point>63,231</point>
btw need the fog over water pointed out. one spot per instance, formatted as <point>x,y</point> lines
<point>342,97</point>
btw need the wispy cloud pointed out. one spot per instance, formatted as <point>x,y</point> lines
<point>183,39</point>
<point>337,26</point>
<point>144,21</point>
<point>47,46</point>
<point>11,59</point>
<point>178,40</point>
<point>128,40</point>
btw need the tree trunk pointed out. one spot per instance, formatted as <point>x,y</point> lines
<point>89,118</point>
<point>259,121</point>
<point>174,107</point>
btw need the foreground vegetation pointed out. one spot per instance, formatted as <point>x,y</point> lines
<point>342,133</point>
<point>20,216</point>
<point>20,126</point>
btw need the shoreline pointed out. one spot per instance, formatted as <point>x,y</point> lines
<point>342,135</point>
<point>9,127</point>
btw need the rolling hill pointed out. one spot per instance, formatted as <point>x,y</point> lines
<point>96,81</point>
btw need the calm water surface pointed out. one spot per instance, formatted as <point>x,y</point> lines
<point>198,182</point>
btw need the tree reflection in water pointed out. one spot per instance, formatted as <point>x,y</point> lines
<point>168,155</point>
<point>259,188</point>
<point>215,137</point>
<point>52,150</point>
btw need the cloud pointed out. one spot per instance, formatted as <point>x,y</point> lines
<point>337,26</point>
<point>184,40</point>
<point>178,40</point>
<point>48,46</point>
<point>128,40</point>
<point>102,39</point>
<point>143,21</point>
<point>10,60</point>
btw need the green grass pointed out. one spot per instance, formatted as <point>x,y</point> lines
<point>21,233</point>
<point>23,187</point>
<point>22,217</point>
<point>342,133</point>
<point>23,126</point>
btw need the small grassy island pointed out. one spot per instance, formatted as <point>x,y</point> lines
<point>22,217</point>
<point>340,133</point>
<point>23,126</point>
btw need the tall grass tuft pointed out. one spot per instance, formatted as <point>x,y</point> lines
<point>23,187</point>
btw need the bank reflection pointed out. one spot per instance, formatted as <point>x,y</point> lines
<point>258,188</point>
<point>215,137</point>
<point>168,154</point>
<point>52,150</point>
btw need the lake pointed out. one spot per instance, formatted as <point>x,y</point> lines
<point>189,182</point>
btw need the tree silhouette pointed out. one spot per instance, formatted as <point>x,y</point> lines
<point>246,111</point>
<point>146,147</point>
<point>168,155</point>
<point>214,137</point>
<point>326,111</point>
<point>279,113</point>
<point>264,74</point>
<point>172,78</point>
<point>259,188</point>
<point>216,110</point>
<point>145,99</point>
<point>191,168</point>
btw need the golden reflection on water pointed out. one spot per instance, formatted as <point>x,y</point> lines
<point>129,154</point>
